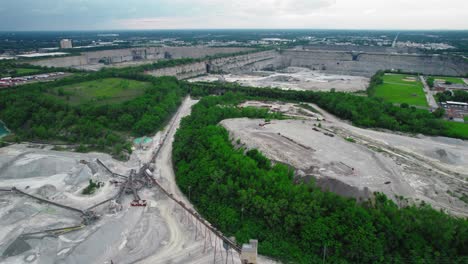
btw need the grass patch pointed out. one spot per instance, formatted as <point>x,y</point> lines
<point>449,79</point>
<point>400,88</point>
<point>465,118</point>
<point>91,188</point>
<point>108,90</point>
<point>464,198</point>
<point>308,107</point>
<point>13,72</point>
<point>456,129</point>
<point>26,71</point>
<point>349,139</point>
<point>59,148</point>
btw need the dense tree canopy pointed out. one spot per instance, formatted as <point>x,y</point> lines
<point>33,115</point>
<point>457,96</point>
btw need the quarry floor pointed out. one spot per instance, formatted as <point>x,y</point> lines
<point>292,78</point>
<point>158,233</point>
<point>356,162</point>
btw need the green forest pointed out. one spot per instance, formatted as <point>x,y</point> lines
<point>36,115</point>
<point>244,195</point>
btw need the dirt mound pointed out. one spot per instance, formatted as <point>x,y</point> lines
<point>18,246</point>
<point>444,156</point>
<point>343,189</point>
<point>37,165</point>
<point>283,78</point>
<point>82,175</point>
<point>47,191</point>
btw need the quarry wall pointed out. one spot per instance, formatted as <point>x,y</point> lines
<point>135,54</point>
<point>366,64</point>
<point>330,61</point>
<point>378,49</point>
<point>358,61</point>
<point>247,62</point>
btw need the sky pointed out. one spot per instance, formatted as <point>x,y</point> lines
<point>235,14</point>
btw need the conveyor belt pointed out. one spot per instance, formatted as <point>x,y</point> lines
<point>47,201</point>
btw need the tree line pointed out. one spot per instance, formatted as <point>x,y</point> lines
<point>376,80</point>
<point>367,112</point>
<point>457,96</point>
<point>8,68</point>
<point>244,195</point>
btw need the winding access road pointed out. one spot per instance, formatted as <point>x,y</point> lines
<point>185,243</point>
<point>429,96</point>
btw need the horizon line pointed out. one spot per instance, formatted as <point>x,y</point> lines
<point>228,29</point>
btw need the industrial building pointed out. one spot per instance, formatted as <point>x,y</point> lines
<point>455,110</point>
<point>66,44</point>
<point>459,105</point>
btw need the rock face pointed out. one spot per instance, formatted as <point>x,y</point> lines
<point>361,61</point>
<point>367,63</point>
<point>334,62</point>
<point>248,62</point>
<point>135,54</point>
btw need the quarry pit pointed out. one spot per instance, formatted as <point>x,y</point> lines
<point>292,78</point>
<point>355,162</point>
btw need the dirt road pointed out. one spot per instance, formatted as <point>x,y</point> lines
<point>429,95</point>
<point>185,243</point>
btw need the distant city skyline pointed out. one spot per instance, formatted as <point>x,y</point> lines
<point>23,15</point>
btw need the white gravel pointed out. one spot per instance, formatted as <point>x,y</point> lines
<point>293,78</point>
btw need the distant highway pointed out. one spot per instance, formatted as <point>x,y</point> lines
<point>395,40</point>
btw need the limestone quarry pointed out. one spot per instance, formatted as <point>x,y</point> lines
<point>159,233</point>
<point>356,162</point>
<point>339,157</point>
<point>292,78</point>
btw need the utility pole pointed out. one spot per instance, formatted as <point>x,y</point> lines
<point>242,213</point>
<point>324,253</point>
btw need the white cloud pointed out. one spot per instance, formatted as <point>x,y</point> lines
<point>369,11</point>
<point>362,14</point>
<point>159,14</point>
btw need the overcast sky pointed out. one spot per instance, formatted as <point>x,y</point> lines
<point>209,14</point>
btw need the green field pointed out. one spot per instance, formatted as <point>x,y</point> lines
<point>465,118</point>
<point>456,129</point>
<point>397,88</point>
<point>26,71</point>
<point>450,79</point>
<point>108,90</point>
<point>20,72</point>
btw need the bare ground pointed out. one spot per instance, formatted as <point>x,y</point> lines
<point>430,169</point>
<point>293,78</point>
